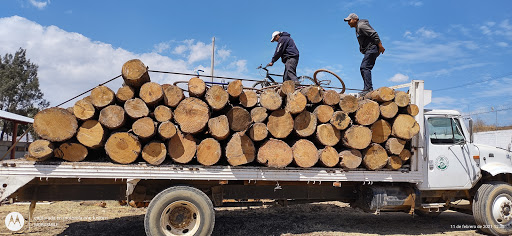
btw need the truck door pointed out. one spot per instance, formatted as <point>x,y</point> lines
<point>450,163</point>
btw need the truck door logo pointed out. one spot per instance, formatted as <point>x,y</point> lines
<point>14,221</point>
<point>442,163</point>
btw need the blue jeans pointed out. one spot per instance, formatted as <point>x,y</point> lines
<point>367,65</point>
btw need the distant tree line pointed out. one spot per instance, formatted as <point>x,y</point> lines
<point>481,126</point>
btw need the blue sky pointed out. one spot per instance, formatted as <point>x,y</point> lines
<point>461,49</point>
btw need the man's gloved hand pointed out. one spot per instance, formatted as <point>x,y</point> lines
<point>270,64</point>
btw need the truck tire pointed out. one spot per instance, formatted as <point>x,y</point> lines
<point>492,208</point>
<point>180,210</point>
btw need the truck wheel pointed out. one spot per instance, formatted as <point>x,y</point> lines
<point>492,208</point>
<point>180,210</point>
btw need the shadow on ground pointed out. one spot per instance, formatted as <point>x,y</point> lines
<point>126,226</point>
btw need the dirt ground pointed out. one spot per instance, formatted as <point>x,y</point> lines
<point>330,218</point>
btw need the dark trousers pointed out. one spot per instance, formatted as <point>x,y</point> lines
<point>290,69</point>
<point>367,65</point>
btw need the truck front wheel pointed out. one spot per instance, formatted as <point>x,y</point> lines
<point>492,208</point>
<point>180,210</point>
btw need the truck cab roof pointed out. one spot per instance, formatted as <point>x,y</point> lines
<point>441,112</point>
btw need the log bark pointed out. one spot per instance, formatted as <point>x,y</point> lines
<point>405,155</point>
<point>166,130</point>
<point>367,112</point>
<point>323,113</point>
<point>270,100</point>
<point>123,147</point>
<point>235,88</point>
<point>405,127</point>
<point>375,157</point>
<point>350,159</point>
<point>258,132</point>
<point>330,97</point>
<point>280,123</point>
<point>124,93</point>
<point>275,153</point>
<point>357,137</point>
<point>92,134</point>
<point>314,94</point>
<point>55,124</point>
<point>381,130</point>
<point>259,114</point>
<point>248,98</point>
<point>305,124</point>
<point>305,153</point>
<point>152,93</point>
<point>196,87</point>
<point>136,108</point>
<point>217,97</point>
<point>162,113</point>
<point>388,110</point>
<point>328,156</point>
<point>327,134</point>
<point>382,94</point>
<point>412,109</point>
<point>394,162</point>
<point>286,88</point>
<point>218,127</point>
<point>102,96</point>
<point>182,147</point>
<point>144,128</point>
<point>154,153</point>
<point>239,119</point>
<point>40,150</point>
<point>173,95</point>
<point>192,115</point>
<point>348,103</point>
<point>402,99</point>
<point>84,110</point>
<point>240,150</point>
<point>135,73</point>
<point>209,152</point>
<point>340,120</point>
<point>395,146</point>
<point>295,102</point>
<point>112,117</point>
<point>73,152</point>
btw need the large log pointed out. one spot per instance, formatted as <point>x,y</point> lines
<point>235,88</point>
<point>144,128</point>
<point>381,130</point>
<point>218,127</point>
<point>91,134</point>
<point>124,93</point>
<point>323,113</point>
<point>305,124</point>
<point>405,127</point>
<point>208,152</point>
<point>305,153</point>
<point>102,96</point>
<point>314,94</point>
<point>280,123</point>
<point>135,73</point>
<point>286,88</point>
<point>367,112</point>
<point>388,110</point>
<point>152,93</point>
<point>340,120</point>
<point>348,103</point>
<point>295,102</point>
<point>73,152</point>
<point>162,113</point>
<point>328,156</point>
<point>275,153</point>
<point>154,153</point>
<point>55,124</point>
<point>112,117</point>
<point>350,159</point>
<point>395,145</point>
<point>412,109</point>
<point>136,108</point>
<point>217,97</point>
<point>182,147</point>
<point>40,150</point>
<point>123,147</point>
<point>240,150</point>
<point>84,110</point>
<point>394,162</point>
<point>382,94</point>
<point>239,119</point>
<point>357,137</point>
<point>166,130</point>
<point>173,95</point>
<point>375,157</point>
<point>402,99</point>
<point>196,87</point>
<point>327,134</point>
<point>248,98</point>
<point>258,132</point>
<point>259,114</point>
<point>192,114</point>
<point>330,97</point>
<point>270,100</point>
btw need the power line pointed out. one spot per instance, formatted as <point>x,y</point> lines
<point>492,111</point>
<point>474,82</point>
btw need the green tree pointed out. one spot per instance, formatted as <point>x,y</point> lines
<point>19,88</point>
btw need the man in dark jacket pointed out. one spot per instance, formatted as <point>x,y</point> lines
<point>369,45</point>
<point>289,54</point>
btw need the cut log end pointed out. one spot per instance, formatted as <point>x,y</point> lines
<point>235,88</point>
<point>350,159</point>
<point>173,95</point>
<point>123,147</point>
<point>217,97</point>
<point>331,97</point>
<point>192,114</point>
<point>259,114</point>
<point>357,137</point>
<point>248,98</point>
<point>84,110</point>
<point>40,150</point>
<point>112,117</point>
<point>240,150</point>
<point>280,123</point>
<point>135,73</point>
<point>328,156</point>
<point>152,93</point>
<point>327,134</point>
<point>196,87</point>
<point>323,113</point>
<point>136,108</point>
<point>375,157</point>
<point>305,153</point>
<point>381,130</point>
<point>275,153</point>
<point>218,127</point>
<point>295,103</point>
<point>348,103</point>
<point>209,152</point>
<point>162,113</point>
<point>154,153</point>
<point>270,100</point>
<point>305,124</point>
<point>340,120</point>
<point>144,128</point>
<point>258,132</point>
<point>72,152</point>
<point>405,127</point>
<point>102,96</point>
<point>92,134</point>
<point>55,124</point>
<point>166,130</point>
<point>182,147</point>
<point>367,113</point>
<point>239,119</point>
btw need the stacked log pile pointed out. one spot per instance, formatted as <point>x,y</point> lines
<point>231,125</point>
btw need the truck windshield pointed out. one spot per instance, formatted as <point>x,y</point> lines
<point>444,130</point>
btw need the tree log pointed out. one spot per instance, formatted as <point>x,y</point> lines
<point>375,157</point>
<point>340,120</point>
<point>166,130</point>
<point>350,159</point>
<point>327,134</point>
<point>357,137</point>
<point>182,147</point>
<point>270,100</point>
<point>286,88</point>
<point>55,124</point>
<point>123,147</point>
<point>144,128</point>
<point>136,108</point>
<point>248,98</point>
<point>394,162</point>
<point>152,93</point>
<point>382,94</point>
<point>348,103</point>
<point>305,124</point>
<point>40,150</point>
<point>196,87</point>
<point>239,119</point>
<point>235,88</point>
<point>73,152</point>
<point>323,113</point>
<point>208,152</point>
<point>305,153</point>
<point>367,112</point>
<point>259,114</point>
<point>91,134</point>
<point>112,117</point>
<point>102,96</point>
<point>217,97</point>
<point>173,95</point>
<point>405,155</point>
<point>84,110</point>
<point>405,127</point>
<point>388,110</point>
<point>192,115</point>
<point>381,130</point>
<point>402,99</point>
<point>258,132</point>
<point>395,146</point>
<point>314,94</point>
<point>280,123</point>
<point>154,153</point>
<point>275,153</point>
<point>135,73</point>
<point>162,113</point>
<point>295,102</point>
<point>218,127</point>
<point>412,109</point>
<point>240,150</point>
<point>330,97</point>
<point>124,93</point>
<point>328,156</point>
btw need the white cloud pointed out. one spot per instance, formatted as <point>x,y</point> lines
<point>240,65</point>
<point>223,53</point>
<point>421,33</point>
<point>502,44</point>
<point>39,4</point>
<point>415,3</point>
<point>161,47</point>
<point>447,71</point>
<point>399,78</point>
<point>180,50</point>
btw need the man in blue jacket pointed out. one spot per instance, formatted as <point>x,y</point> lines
<point>289,54</point>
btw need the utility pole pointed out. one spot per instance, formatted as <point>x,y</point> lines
<point>213,55</point>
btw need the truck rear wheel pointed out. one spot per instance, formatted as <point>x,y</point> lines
<point>492,208</point>
<point>180,210</point>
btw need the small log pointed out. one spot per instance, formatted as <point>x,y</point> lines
<point>84,110</point>
<point>270,100</point>
<point>218,127</point>
<point>70,109</point>
<point>305,124</point>
<point>405,127</point>
<point>162,113</point>
<point>275,153</point>
<point>135,73</point>
<point>330,97</point>
<point>305,153</point>
<point>55,124</point>
<point>192,114</point>
<point>350,159</point>
<point>394,162</point>
<point>112,117</point>
<point>239,119</point>
<point>323,113</point>
<point>154,153</point>
<point>235,88</point>
<point>381,130</point>
<point>123,147</point>
<point>182,147</point>
<point>248,98</point>
<point>124,93</point>
<point>388,110</point>
<point>73,152</point>
<point>196,87</point>
<point>173,95</point>
<point>258,132</point>
<point>357,137</point>
<point>217,97</point>
<point>295,102</point>
<point>340,120</point>
<point>259,114</point>
<point>412,109</point>
<point>240,150</point>
<point>327,134</point>
<point>314,94</point>
<point>166,130</point>
<point>40,150</point>
<point>367,112</point>
<point>280,123</point>
<point>382,94</point>
<point>92,134</point>
<point>136,108</point>
<point>152,93</point>
<point>102,96</point>
<point>405,155</point>
<point>209,152</point>
<point>375,157</point>
<point>286,88</point>
<point>348,103</point>
<point>328,156</point>
<point>395,146</point>
<point>144,128</point>
<point>402,99</point>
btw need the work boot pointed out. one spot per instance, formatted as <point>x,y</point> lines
<point>364,92</point>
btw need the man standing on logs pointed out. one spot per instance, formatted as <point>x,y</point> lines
<point>289,54</point>
<point>369,45</point>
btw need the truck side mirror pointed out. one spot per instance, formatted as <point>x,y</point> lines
<point>470,130</point>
